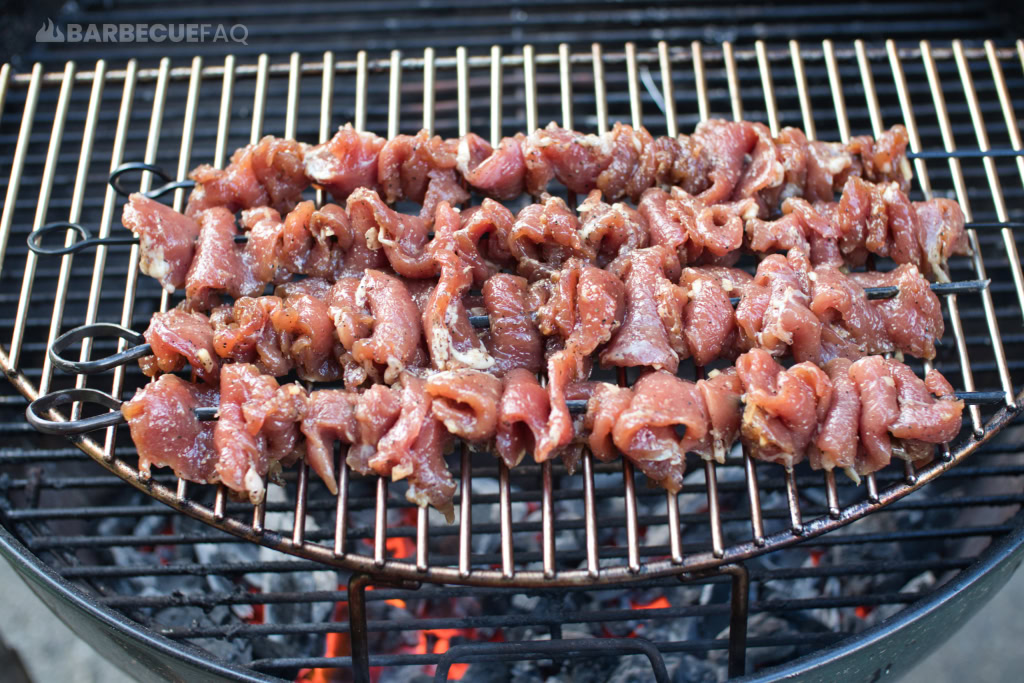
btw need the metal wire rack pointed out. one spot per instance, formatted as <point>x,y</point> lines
<point>622,83</point>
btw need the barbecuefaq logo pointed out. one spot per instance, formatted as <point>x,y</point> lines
<point>142,33</point>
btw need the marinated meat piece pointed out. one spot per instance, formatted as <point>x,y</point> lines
<point>268,173</point>
<point>544,236</point>
<point>451,339</point>
<point>352,321</point>
<point>885,159</point>
<point>774,314</point>
<point>264,250</point>
<point>586,307</point>
<point>512,339</point>
<point>331,220</point>
<point>178,337</point>
<point>800,225</point>
<point>443,186</point>
<point>345,162</point>
<point>922,416</point>
<point>377,409</point>
<point>482,240</point>
<point>466,401</point>
<point>246,439</point>
<point>913,318</point>
<point>494,173</point>
<point>395,342</point>
<point>402,237</point>
<point>307,334</point>
<point>166,431</point>
<point>879,409</point>
<point>413,448</point>
<point>653,304</point>
<point>574,159</point>
<point>743,159</point>
<point>688,225</point>
<point>828,165</point>
<point>837,442</point>
<point>406,161</point>
<point>709,321</point>
<point>842,306</point>
<point>167,239</point>
<point>522,416</point>
<point>604,408</point>
<point>626,146</point>
<point>218,266</point>
<point>783,407</point>
<point>646,431</point>
<point>721,393</point>
<point>244,333</point>
<point>330,418</point>
<point>942,235</point>
<point>610,230</point>
<point>452,242</point>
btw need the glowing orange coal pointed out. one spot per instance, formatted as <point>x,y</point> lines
<point>442,640</point>
<point>660,602</point>
<point>338,645</point>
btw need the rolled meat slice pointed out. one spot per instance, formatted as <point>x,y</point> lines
<point>586,307</point>
<point>721,393</point>
<point>413,448</point>
<point>913,318</point>
<point>497,173</point>
<point>403,238</point>
<point>255,428</point>
<point>218,265</point>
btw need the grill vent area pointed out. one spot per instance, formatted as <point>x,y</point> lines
<point>85,521</point>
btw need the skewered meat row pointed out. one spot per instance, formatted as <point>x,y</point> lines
<point>331,242</point>
<point>642,311</point>
<point>855,418</point>
<point>721,161</point>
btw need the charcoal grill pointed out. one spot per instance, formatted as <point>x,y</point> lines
<point>831,90</point>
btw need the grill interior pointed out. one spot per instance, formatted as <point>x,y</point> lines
<point>536,525</point>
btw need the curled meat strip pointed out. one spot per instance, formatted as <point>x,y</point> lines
<point>783,407</point>
<point>512,339</point>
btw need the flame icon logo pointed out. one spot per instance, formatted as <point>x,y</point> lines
<point>48,33</point>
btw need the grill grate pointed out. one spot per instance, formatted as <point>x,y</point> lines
<point>59,146</point>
